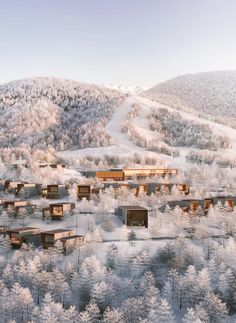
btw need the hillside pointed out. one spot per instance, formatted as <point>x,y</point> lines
<point>147,131</point>
<point>39,112</point>
<point>82,120</point>
<point>211,95</point>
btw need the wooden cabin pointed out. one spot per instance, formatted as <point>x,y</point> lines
<point>26,235</point>
<point>230,200</point>
<point>17,205</point>
<point>4,229</point>
<point>138,188</point>
<point>48,238</point>
<point>205,204</point>
<point>116,187</point>
<point>56,211</point>
<point>187,205</point>
<point>153,188</point>
<point>28,190</point>
<point>71,243</point>
<point>84,191</point>
<point>142,173</point>
<point>11,186</point>
<point>55,191</point>
<point>133,215</point>
<point>2,185</point>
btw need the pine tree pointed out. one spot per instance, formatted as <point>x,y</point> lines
<point>5,243</point>
<point>133,309</point>
<point>164,312</point>
<point>191,317</point>
<point>215,308</point>
<point>111,256</point>
<point>102,294</point>
<point>132,237</point>
<point>92,311</point>
<point>113,315</point>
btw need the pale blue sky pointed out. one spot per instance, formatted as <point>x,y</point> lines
<point>133,42</point>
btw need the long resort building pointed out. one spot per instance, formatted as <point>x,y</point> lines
<point>129,173</point>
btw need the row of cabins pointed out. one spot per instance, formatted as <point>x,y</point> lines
<point>129,174</point>
<point>56,211</point>
<point>86,191</point>
<point>45,239</point>
<point>129,215</point>
<point>59,191</point>
<point>192,205</point>
<point>25,189</point>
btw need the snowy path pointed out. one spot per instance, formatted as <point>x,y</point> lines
<point>121,144</point>
<point>114,127</point>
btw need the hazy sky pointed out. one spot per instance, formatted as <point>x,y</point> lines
<point>133,42</point>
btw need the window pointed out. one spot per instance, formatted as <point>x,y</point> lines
<point>84,189</point>
<point>58,210</point>
<point>14,236</point>
<point>48,238</point>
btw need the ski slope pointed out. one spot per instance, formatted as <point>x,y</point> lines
<point>122,145</point>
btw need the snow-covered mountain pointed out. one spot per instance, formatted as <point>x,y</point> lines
<point>82,120</point>
<point>39,112</point>
<point>211,95</point>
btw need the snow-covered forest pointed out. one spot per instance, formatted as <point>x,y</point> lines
<point>176,131</point>
<point>179,269</point>
<point>176,281</point>
<point>211,95</point>
<point>39,112</point>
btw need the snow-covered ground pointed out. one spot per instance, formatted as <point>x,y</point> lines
<point>122,145</point>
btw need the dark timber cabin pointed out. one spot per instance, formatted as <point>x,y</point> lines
<point>57,210</point>
<point>85,191</point>
<point>28,190</point>
<point>26,235</point>
<point>133,215</point>
<point>55,191</point>
<point>48,238</point>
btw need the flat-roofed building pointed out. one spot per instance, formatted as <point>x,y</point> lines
<point>28,190</point>
<point>153,188</point>
<point>71,243</point>
<point>56,211</point>
<point>10,186</point>
<point>4,229</point>
<point>193,204</point>
<point>2,185</point>
<point>55,191</point>
<point>86,191</point>
<point>228,200</point>
<point>17,205</point>
<point>18,236</point>
<point>142,173</point>
<point>106,174</point>
<point>129,174</point>
<point>48,238</point>
<point>132,215</point>
<point>186,205</point>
